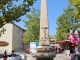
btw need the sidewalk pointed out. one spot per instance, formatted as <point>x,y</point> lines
<point>62,57</point>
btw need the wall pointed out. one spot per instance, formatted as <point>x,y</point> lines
<point>22,44</point>
<point>16,38</point>
<point>7,36</point>
<point>20,40</point>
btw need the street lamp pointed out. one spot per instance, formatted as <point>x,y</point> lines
<point>3,30</point>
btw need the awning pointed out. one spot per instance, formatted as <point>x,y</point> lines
<point>3,43</point>
<point>64,42</point>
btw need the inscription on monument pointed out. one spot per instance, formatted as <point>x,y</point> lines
<point>45,37</point>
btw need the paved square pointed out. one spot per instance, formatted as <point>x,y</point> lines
<point>58,57</point>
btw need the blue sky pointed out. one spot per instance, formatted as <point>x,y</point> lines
<point>55,9</point>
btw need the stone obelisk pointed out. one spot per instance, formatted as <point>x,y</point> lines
<point>44,24</point>
<point>44,50</point>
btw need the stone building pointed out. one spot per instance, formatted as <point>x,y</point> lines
<point>13,35</point>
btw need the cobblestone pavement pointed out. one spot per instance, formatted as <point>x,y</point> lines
<point>58,57</point>
<point>62,57</point>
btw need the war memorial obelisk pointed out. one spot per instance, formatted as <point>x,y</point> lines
<point>44,50</point>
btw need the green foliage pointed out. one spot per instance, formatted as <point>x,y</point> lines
<point>32,26</point>
<point>66,22</point>
<point>76,3</point>
<point>10,10</point>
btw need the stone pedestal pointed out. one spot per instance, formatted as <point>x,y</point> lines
<point>44,53</point>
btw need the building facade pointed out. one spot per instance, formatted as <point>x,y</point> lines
<point>13,35</point>
<point>52,40</point>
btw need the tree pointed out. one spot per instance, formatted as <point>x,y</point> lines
<point>76,3</point>
<point>66,22</point>
<point>10,11</point>
<point>32,26</point>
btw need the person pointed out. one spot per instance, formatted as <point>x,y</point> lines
<point>5,55</point>
<point>56,49</point>
<point>12,51</point>
<point>13,54</point>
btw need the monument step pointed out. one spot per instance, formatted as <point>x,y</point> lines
<point>40,51</point>
<point>48,47</point>
<point>44,55</point>
<point>45,48</point>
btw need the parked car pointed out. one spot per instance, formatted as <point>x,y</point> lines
<point>28,51</point>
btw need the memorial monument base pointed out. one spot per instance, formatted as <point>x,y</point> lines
<point>44,53</point>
